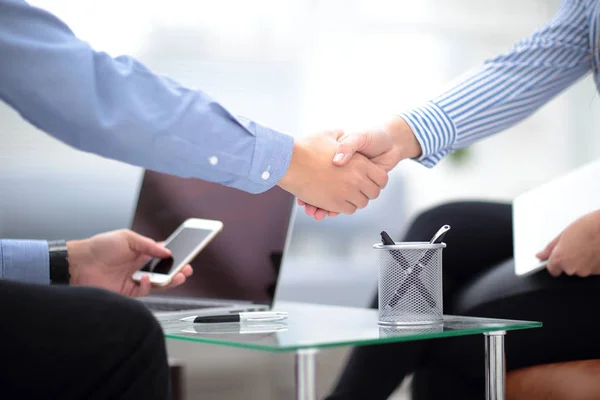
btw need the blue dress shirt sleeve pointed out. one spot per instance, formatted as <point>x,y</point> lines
<point>25,261</point>
<point>506,89</point>
<point>119,109</point>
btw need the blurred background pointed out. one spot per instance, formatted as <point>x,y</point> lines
<point>302,66</point>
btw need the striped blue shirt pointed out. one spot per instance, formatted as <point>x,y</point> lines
<point>510,87</point>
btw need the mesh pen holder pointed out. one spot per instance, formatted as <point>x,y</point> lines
<point>410,283</point>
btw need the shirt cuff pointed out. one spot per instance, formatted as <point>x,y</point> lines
<point>434,130</point>
<point>25,261</point>
<point>271,160</point>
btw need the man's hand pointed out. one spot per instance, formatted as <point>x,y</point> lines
<point>108,261</point>
<point>576,251</point>
<point>314,178</point>
<point>385,146</point>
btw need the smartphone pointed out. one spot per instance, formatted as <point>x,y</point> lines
<point>185,243</point>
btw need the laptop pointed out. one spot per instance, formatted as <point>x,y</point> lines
<point>239,269</point>
<point>542,213</point>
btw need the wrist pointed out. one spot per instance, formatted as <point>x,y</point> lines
<point>293,173</point>
<point>78,256</point>
<point>403,137</point>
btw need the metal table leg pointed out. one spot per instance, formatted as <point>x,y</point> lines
<point>495,370</point>
<point>306,388</point>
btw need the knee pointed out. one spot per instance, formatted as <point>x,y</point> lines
<point>436,215</point>
<point>125,318</point>
<point>141,320</point>
<point>463,215</point>
<point>428,222</point>
<point>138,321</point>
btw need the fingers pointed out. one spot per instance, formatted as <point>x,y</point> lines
<point>142,289</point>
<point>320,214</point>
<point>365,188</point>
<point>370,190</point>
<point>177,280</point>
<point>555,263</point>
<point>353,185</point>
<point>187,271</point>
<point>350,144</point>
<point>545,254</point>
<point>348,207</point>
<point>554,267</point>
<point>359,200</point>
<point>360,192</point>
<point>310,210</point>
<point>372,179</point>
<point>146,246</point>
<point>370,187</point>
<point>317,213</point>
<point>378,176</point>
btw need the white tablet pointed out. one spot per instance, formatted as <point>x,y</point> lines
<point>542,213</point>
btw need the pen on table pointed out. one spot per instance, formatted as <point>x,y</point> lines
<point>255,316</point>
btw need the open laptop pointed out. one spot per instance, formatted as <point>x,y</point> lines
<point>542,213</point>
<point>239,269</point>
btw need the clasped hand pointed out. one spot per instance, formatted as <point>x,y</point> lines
<point>313,177</point>
<point>372,151</point>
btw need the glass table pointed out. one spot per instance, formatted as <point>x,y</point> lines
<point>311,327</point>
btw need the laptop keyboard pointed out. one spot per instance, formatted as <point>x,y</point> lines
<point>177,307</point>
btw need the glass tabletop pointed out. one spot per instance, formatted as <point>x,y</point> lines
<point>320,326</point>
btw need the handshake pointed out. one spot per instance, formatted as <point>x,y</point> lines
<point>335,172</point>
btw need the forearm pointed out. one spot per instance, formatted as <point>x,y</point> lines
<point>506,89</point>
<point>118,108</point>
<point>25,261</point>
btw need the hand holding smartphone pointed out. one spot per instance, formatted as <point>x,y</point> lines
<point>185,243</point>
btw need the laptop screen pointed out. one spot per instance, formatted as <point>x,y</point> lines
<point>242,262</point>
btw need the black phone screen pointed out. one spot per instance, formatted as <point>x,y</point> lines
<point>181,246</point>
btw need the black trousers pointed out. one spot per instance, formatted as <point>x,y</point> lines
<point>480,239</point>
<point>78,343</point>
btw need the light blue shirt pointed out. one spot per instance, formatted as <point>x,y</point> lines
<point>119,109</point>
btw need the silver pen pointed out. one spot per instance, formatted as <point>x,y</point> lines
<point>254,316</point>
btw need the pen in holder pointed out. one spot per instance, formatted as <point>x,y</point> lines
<point>410,283</point>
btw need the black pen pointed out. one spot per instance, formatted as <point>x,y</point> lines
<point>386,239</point>
<point>255,316</point>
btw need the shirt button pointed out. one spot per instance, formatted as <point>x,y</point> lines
<point>265,175</point>
<point>213,160</point>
